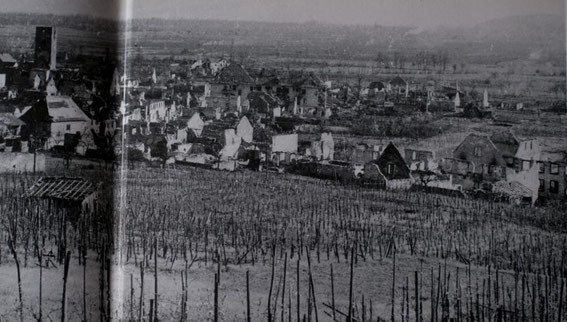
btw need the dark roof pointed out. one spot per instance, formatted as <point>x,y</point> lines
<point>391,155</point>
<point>136,123</point>
<point>170,129</point>
<point>178,123</point>
<point>198,89</point>
<point>154,93</point>
<point>268,81</point>
<point>153,139</point>
<point>187,113</point>
<point>506,142</point>
<point>398,81</point>
<point>27,98</point>
<point>8,107</point>
<point>207,113</point>
<point>212,131</point>
<point>376,85</point>
<point>67,87</point>
<point>136,138</point>
<point>302,79</point>
<point>37,113</point>
<point>234,74</point>
<point>262,102</point>
<point>451,92</point>
<point>265,77</point>
<point>183,88</point>
<point>10,120</point>
<point>215,129</point>
<point>62,188</point>
<point>473,110</point>
<point>173,126</point>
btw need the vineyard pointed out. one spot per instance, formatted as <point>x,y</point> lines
<point>51,260</point>
<point>205,245</point>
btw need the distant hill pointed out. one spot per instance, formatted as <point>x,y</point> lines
<point>535,38</point>
<point>529,28</point>
<point>539,37</point>
<point>530,37</point>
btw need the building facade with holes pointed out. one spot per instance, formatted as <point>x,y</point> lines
<point>552,174</point>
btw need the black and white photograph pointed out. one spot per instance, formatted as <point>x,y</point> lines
<point>269,160</point>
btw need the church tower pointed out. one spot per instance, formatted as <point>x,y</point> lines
<point>45,48</point>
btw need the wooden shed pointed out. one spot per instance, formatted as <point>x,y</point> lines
<point>76,194</point>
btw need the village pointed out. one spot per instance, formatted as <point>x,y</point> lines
<point>215,113</point>
<point>178,163</point>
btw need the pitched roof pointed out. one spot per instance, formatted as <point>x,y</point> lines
<point>376,85</point>
<point>478,135</point>
<point>217,60</point>
<point>234,74</point>
<point>10,120</point>
<point>506,142</point>
<point>554,156</point>
<point>512,189</point>
<point>154,93</point>
<point>7,58</point>
<point>37,113</point>
<point>215,129</point>
<point>302,79</point>
<point>398,81</point>
<point>391,155</point>
<point>451,92</point>
<point>262,102</point>
<point>265,77</point>
<point>440,143</point>
<point>64,109</point>
<point>62,188</point>
<point>153,139</point>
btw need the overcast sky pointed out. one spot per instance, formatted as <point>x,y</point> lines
<point>382,12</point>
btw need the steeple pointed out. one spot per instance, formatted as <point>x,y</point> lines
<point>457,97</point>
<point>115,84</point>
<point>457,100</point>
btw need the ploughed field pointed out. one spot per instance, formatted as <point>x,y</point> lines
<point>283,247</point>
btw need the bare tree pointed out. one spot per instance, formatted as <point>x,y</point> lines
<point>425,177</point>
<point>11,225</point>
